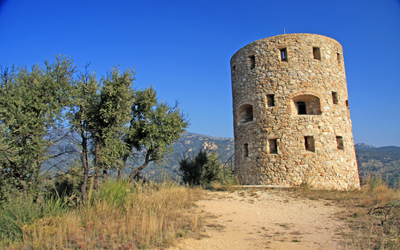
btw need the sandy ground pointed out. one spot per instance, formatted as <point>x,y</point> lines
<point>268,219</point>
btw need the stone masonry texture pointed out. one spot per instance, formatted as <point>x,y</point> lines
<point>291,113</point>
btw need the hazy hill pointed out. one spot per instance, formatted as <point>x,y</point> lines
<point>380,161</point>
<point>190,143</point>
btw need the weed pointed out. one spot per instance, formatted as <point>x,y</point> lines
<point>118,214</point>
<point>373,213</point>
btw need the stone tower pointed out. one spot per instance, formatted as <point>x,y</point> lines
<point>291,113</point>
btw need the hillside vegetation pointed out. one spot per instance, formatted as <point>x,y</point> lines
<point>381,162</point>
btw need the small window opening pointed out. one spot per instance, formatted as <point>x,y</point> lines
<point>270,100</point>
<point>245,113</point>
<point>347,103</point>
<point>301,108</point>
<point>252,61</point>
<point>339,57</point>
<point>309,143</point>
<point>317,53</point>
<point>246,150</point>
<point>273,149</point>
<point>339,140</point>
<point>234,67</point>
<point>335,97</point>
<point>283,54</point>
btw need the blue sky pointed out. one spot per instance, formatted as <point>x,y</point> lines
<point>183,49</point>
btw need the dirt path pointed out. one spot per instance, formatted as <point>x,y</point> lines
<point>267,219</point>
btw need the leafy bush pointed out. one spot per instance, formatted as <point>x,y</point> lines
<point>69,183</point>
<point>202,169</point>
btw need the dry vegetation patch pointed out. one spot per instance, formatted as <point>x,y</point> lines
<point>120,216</point>
<point>373,213</point>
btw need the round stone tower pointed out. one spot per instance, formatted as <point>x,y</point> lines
<point>291,113</point>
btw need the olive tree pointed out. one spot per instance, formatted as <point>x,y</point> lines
<point>153,128</point>
<point>32,115</point>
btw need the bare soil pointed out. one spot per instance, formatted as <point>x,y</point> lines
<point>267,219</point>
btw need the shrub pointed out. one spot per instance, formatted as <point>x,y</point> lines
<point>201,169</point>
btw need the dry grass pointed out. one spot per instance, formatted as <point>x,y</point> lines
<point>120,216</point>
<point>373,213</point>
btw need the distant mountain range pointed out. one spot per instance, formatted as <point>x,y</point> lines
<point>190,143</point>
<point>381,161</point>
<point>363,146</point>
<point>376,161</point>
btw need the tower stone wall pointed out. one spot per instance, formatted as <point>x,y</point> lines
<point>291,113</point>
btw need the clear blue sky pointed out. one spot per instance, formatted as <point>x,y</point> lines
<point>183,48</point>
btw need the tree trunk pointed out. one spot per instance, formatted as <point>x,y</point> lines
<point>146,162</point>
<point>97,167</point>
<point>122,168</point>
<point>85,167</point>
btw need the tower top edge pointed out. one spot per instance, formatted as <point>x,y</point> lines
<point>288,36</point>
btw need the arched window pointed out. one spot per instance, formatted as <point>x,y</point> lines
<point>245,113</point>
<point>305,105</point>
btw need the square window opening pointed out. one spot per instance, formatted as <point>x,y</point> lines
<point>309,143</point>
<point>246,150</point>
<point>335,97</point>
<point>273,148</point>
<point>317,53</point>
<point>283,54</point>
<point>340,144</point>
<point>339,57</point>
<point>270,100</point>
<point>252,59</point>
<point>301,108</point>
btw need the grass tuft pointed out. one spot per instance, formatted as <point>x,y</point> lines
<point>372,212</point>
<point>120,215</point>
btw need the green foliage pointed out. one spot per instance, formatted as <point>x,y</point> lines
<point>113,113</point>
<point>22,209</point>
<point>202,169</point>
<point>113,121</point>
<point>32,105</point>
<point>115,192</point>
<point>154,127</point>
<point>67,184</point>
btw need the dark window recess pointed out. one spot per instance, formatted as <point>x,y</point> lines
<point>309,143</point>
<point>245,113</point>
<point>283,54</point>
<point>234,67</point>
<point>270,100</point>
<point>335,97</point>
<point>246,150</point>
<point>273,148</point>
<point>301,108</point>
<point>347,103</point>
<point>339,140</point>
<point>252,61</point>
<point>317,53</point>
<point>339,57</point>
